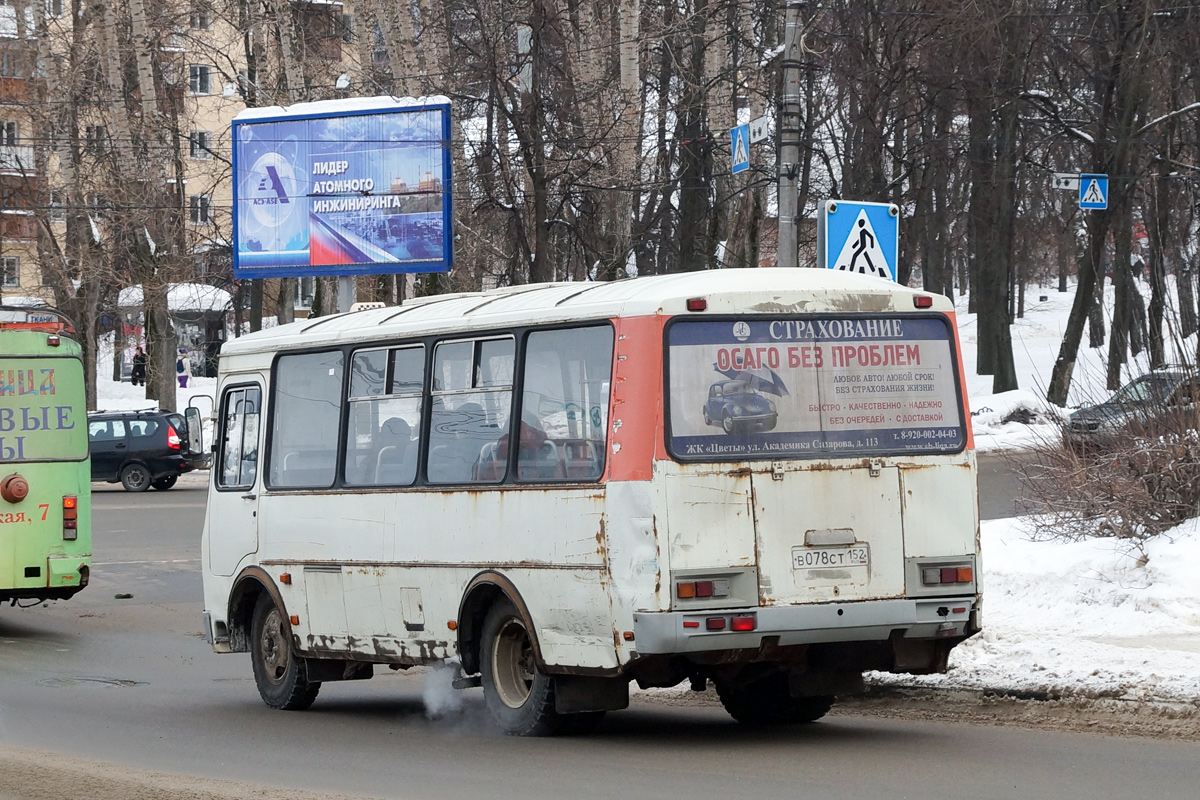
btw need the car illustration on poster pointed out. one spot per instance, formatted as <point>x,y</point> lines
<point>736,407</point>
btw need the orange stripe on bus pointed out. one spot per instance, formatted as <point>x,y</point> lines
<point>962,382</point>
<point>636,415</point>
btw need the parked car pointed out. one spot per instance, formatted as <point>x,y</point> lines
<point>140,448</point>
<point>736,407</point>
<point>1138,407</point>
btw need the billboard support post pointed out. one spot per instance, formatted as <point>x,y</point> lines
<point>347,293</point>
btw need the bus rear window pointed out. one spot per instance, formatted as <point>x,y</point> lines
<point>42,410</point>
<point>807,387</point>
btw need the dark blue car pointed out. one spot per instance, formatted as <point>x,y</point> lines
<point>737,408</point>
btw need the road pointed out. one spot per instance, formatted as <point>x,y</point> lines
<point>130,681</point>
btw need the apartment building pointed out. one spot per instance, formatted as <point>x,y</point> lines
<point>203,76</point>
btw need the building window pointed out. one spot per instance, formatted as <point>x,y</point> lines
<point>54,8</point>
<point>97,139</point>
<point>8,133</point>
<point>199,205</point>
<point>200,142</point>
<point>201,18</point>
<point>57,211</point>
<point>10,198</point>
<point>347,28</point>
<point>11,65</point>
<point>198,78</point>
<point>305,290</point>
<point>11,266</point>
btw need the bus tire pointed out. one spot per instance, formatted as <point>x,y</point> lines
<point>165,482</point>
<point>135,478</point>
<point>767,701</point>
<point>281,675</point>
<point>519,696</point>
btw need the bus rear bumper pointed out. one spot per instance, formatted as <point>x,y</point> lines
<point>678,632</point>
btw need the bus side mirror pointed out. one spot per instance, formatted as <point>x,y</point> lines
<point>195,429</point>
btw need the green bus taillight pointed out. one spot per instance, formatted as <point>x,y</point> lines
<point>70,517</point>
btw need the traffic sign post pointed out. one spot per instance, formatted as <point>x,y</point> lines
<point>739,148</point>
<point>859,237</point>
<point>1093,191</point>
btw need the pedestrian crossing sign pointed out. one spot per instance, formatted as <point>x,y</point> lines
<point>1093,191</point>
<point>859,237</point>
<point>739,148</point>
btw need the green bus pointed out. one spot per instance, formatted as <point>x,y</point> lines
<point>45,473</point>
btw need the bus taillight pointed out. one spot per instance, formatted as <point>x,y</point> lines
<point>172,438</point>
<point>70,517</point>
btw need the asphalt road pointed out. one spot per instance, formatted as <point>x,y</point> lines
<point>131,681</point>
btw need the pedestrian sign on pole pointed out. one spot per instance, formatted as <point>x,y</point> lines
<point>859,237</point>
<point>739,148</point>
<point>1093,191</point>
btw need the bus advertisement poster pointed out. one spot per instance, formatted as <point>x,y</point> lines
<point>39,421</point>
<point>342,187</point>
<point>813,387</point>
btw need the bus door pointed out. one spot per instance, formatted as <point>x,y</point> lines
<point>233,508</point>
<point>837,417</point>
<point>828,534</point>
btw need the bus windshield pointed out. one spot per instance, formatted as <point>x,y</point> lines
<point>803,387</point>
<point>41,402</point>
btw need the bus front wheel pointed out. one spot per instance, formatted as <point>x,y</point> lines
<point>281,675</point>
<point>519,696</point>
<point>768,701</point>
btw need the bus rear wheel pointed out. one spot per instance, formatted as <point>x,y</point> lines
<point>519,696</point>
<point>768,701</point>
<point>281,675</point>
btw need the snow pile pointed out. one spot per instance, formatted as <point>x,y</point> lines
<point>1016,419</point>
<point>182,297</point>
<point>1093,618</point>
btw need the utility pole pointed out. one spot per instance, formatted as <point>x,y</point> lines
<point>789,139</point>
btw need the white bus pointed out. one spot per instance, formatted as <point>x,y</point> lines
<point>762,480</point>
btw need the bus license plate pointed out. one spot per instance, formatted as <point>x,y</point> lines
<point>804,558</point>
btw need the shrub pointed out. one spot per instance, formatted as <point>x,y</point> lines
<point>1138,481</point>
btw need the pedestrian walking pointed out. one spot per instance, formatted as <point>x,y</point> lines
<point>138,376</point>
<point>181,368</point>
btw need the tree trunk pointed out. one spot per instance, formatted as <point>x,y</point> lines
<point>1085,291</point>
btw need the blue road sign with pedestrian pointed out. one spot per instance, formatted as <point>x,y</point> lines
<point>1093,191</point>
<point>739,148</point>
<point>859,237</point>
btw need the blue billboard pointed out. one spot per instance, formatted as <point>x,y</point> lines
<point>342,187</point>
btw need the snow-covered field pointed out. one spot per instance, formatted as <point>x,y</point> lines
<point>1085,618</point>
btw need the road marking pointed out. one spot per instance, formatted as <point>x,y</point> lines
<point>132,563</point>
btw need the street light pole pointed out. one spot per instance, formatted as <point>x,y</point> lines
<point>789,139</point>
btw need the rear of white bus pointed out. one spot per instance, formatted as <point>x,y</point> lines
<point>819,509</point>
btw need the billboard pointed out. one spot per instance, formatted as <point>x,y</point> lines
<point>342,187</point>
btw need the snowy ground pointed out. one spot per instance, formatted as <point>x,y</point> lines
<point>1087,618</point>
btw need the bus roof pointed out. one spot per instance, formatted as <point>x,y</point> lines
<point>730,291</point>
<point>35,318</point>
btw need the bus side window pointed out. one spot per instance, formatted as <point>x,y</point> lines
<point>383,436</point>
<point>306,415</point>
<point>239,438</point>
<point>564,405</point>
<point>471,405</point>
